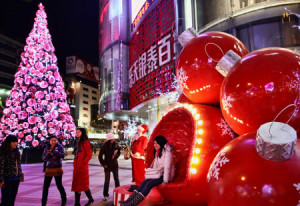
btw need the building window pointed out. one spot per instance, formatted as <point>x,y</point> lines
<point>94,92</point>
<point>85,102</point>
<point>94,98</point>
<point>85,95</point>
<point>85,89</point>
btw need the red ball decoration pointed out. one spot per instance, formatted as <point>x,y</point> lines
<point>183,99</point>
<point>197,133</point>
<point>196,73</point>
<point>240,176</point>
<point>259,86</point>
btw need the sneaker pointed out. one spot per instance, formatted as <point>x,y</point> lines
<point>105,198</point>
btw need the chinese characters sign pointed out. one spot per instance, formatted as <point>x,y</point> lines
<point>152,55</point>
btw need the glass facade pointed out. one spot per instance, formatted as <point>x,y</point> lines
<point>257,23</point>
<point>113,40</point>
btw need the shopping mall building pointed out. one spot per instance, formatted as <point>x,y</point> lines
<point>138,45</point>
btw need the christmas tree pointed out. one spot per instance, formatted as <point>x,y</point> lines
<point>37,106</point>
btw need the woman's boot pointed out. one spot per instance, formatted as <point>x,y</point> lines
<point>129,198</point>
<point>89,195</point>
<point>63,201</point>
<point>137,199</point>
<point>77,198</point>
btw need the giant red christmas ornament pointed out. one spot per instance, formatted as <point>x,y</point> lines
<point>197,132</point>
<point>257,172</point>
<point>196,73</point>
<point>259,86</point>
<point>183,99</point>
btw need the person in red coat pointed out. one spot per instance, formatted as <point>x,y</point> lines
<point>138,148</point>
<point>82,156</point>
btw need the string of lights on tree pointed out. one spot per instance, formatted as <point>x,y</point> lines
<point>37,107</point>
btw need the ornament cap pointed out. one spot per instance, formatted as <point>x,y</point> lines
<point>276,141</point>
<point>227,62</point>
<point>187,35</point>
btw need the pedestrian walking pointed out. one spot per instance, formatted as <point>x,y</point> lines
<point>108,158</point>
<point>82,156</point>
<point>53,155</point>
<point>10,170</point>
<point>158,173</point>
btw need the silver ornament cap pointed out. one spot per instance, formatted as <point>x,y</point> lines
<point>227,62</point>
<point>276,141</point>
<point>187,35</point>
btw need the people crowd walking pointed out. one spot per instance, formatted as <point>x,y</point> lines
<point>10,170</point>
<point>111,152</point>
<point>82,156</point>
<point>52,155</point>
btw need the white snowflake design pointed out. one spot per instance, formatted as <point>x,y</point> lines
<point>226,103</point>
<point>297,186</point>
<point>218,162</point>
<point>295,82</point>
<point>226,130</point>
<point>182,78</point>
<point>298,189</point>
<point>175,84</point>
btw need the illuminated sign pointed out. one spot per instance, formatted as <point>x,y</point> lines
<point>76,65</point>
<point>156,56</point>
<point>152,54</point>
<point>138,11</point>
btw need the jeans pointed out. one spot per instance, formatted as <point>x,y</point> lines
<point>60,187</point>
<point>9,192</point>
<point>107,179</point>
<point>148,184</point>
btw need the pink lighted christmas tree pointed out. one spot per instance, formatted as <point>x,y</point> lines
<point>37,106</point>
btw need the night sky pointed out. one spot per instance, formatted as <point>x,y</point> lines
<point>73,25</point>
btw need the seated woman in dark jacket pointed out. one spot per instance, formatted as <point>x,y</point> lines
<point>10,170</point>
<point>53,154</point>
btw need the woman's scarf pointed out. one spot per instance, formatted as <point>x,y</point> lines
<point>77,147</point>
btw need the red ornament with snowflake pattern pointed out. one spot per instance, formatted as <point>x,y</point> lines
<point>259,86</point>
<point>196,73</point>
<point>197,133</point>
<point>239,175</point>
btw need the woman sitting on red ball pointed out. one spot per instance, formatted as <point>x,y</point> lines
<point>158,173</point>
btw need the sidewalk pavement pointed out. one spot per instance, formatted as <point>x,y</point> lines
<point>30,191</point>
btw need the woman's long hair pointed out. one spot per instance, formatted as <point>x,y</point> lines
<point>83,136</point>
<point>161,140</point>
<point>5,147</point>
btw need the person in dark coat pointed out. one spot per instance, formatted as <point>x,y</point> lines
<point>53,154</point>
<point>82,156</point>
<point>111,152</point>
<point>10,170</point>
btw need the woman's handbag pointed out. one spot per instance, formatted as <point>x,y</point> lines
<point>152,173</point>
<point>127,153</point>
<point>22,177</point>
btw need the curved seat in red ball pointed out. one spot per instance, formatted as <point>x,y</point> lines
<point>197,132</point>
